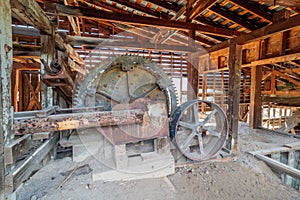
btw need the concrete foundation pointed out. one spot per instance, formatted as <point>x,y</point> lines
<point>115,163</point>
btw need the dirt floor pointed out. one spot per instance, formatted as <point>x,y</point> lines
<point>244,178</point>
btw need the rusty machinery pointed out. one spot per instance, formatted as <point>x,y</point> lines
<point>137,102</point>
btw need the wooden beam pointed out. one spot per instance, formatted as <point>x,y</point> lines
<point>138,20</point>
<point>278,166</point>
<point>283,100</point>
<point>192,71</point>
<point>29,12</point>
<point>6,126</point>
<point>255,97</point>
<point>28,125</point>
<point>200,7</point>
<point>89,41</point>
<point>235,64</point>
<point>24,31</point>
<point>261,33</point>
<point>278,59</point>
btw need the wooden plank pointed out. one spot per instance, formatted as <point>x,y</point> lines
<point>279,166</point>
<point>255,97</point>
<point>235,63</point>
<point>6,128</point>
<point>138,20</point>
<point>21,173</point>
<point>17,148</point>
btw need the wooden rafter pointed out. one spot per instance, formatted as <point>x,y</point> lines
<point>138,20</point>
<point>200,7</point>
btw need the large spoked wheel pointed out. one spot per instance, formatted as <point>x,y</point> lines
<point>199,129</point>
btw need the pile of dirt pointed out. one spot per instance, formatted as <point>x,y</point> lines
<point>245,178</point>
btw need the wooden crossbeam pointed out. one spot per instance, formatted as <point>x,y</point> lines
<point>138,20</point>
<point>75,40</point>
<point>283,100</point>
<point>261,33</point>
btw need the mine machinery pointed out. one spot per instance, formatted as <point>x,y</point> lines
<point>128,102</point>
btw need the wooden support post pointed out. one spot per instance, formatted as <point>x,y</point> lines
<point>47,54</point>
<point>192,71</point>
<point>235,63</point>
<point>255,97</point>
<point>6,127</point>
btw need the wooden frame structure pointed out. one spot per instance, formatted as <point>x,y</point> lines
<point>246,55</point>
